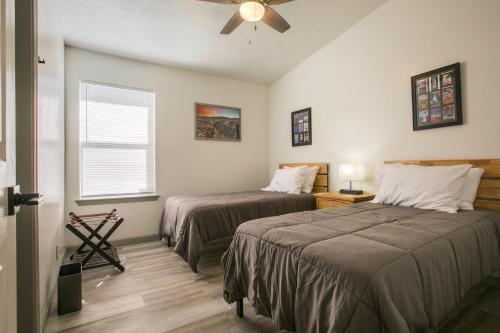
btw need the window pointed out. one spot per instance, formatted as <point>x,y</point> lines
<point>117,141</point>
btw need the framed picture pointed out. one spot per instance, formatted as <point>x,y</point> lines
<point>301,128</point>
<point>215,122</point>
<point>437,98</point>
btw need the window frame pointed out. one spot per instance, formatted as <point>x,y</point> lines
<point>152,146</point>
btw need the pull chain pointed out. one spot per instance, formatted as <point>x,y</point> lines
<point>255,29</point>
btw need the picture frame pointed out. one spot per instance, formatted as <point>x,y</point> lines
<point>301,127</point>
<point>437,98</point>
<point>217,122</point>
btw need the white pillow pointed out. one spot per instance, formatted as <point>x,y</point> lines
<point>469,190</point>
<point>427,187</point>
<point>309,178</point>
<point>287,180</point>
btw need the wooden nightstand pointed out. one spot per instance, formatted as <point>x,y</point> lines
<point>336,199</point>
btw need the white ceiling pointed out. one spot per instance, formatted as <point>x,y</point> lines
<point>185,33</point>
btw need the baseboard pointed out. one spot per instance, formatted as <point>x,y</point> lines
<point>122,242</point>
<point>135,240</point>
<point>52,292</point>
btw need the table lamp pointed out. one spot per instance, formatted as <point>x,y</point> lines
<point>352,172</point>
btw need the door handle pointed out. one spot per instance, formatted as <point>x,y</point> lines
<point>15,199</point>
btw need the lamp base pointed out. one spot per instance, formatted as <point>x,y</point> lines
<point>352,192</point>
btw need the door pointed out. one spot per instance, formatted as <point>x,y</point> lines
<point>26,95</point>
<point>18,236</point>
<point>7,168</point>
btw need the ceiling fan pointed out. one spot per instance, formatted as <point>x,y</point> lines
<point>253,11</point>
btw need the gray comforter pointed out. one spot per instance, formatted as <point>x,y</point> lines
<point>193,220</point>
<point>361,268</point>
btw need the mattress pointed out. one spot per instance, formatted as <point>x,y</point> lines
<point>194,220</point>
<point>361,268</point>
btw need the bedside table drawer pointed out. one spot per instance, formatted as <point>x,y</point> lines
<point>336,199</point>
<point>329,204</point>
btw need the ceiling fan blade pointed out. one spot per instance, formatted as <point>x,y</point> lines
<point>227,2</point>
<point>232,24</point>
<point>275,20</point>
<point>276,2</point>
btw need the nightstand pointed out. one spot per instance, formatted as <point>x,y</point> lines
<point>336,199</point>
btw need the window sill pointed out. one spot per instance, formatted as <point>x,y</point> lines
<point>117,199</point>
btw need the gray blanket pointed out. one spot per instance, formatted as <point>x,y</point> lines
<point>194,220</point>
<point>361,268</point>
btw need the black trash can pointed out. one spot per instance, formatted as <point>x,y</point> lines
<point>69,288</point>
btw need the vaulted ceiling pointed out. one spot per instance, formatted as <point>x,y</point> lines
<point>185,33</point>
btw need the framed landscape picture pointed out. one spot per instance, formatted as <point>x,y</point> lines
<point>301,128</point>
<point>215,122</point>
<point>437,98</point>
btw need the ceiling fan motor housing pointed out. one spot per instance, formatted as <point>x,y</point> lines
<point>253,11</point>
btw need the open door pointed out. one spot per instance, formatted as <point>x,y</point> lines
<point>18,233</point>
<point>7,168</point>
<point>26,80</point>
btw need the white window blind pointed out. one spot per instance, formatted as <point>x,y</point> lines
<point>117,141</point>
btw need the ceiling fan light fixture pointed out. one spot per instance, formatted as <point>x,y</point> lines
<point>252,11</point>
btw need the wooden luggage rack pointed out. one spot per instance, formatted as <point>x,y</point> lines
<point>102,252</point>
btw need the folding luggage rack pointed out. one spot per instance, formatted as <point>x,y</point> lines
<point>101,253</point>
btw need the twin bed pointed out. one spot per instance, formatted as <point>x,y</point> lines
<point>362,268</point>
<point>196,220</point>
<point>367,267</point>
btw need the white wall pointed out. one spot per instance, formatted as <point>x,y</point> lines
<point>184,165</point>
<point>50,148</point>
<point>359,87</point>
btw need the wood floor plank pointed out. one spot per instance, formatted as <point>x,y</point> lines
<point>159,293</point>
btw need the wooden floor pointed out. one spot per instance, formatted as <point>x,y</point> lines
<point>159,293</point>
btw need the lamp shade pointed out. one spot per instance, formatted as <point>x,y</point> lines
<point>252,10</point>
<point>352,172</point>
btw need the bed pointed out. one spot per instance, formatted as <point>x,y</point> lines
<point>366,267</point>
<point>195,220</point>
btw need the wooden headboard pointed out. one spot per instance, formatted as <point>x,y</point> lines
<point>321,182</point>
<point>488,193</point>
